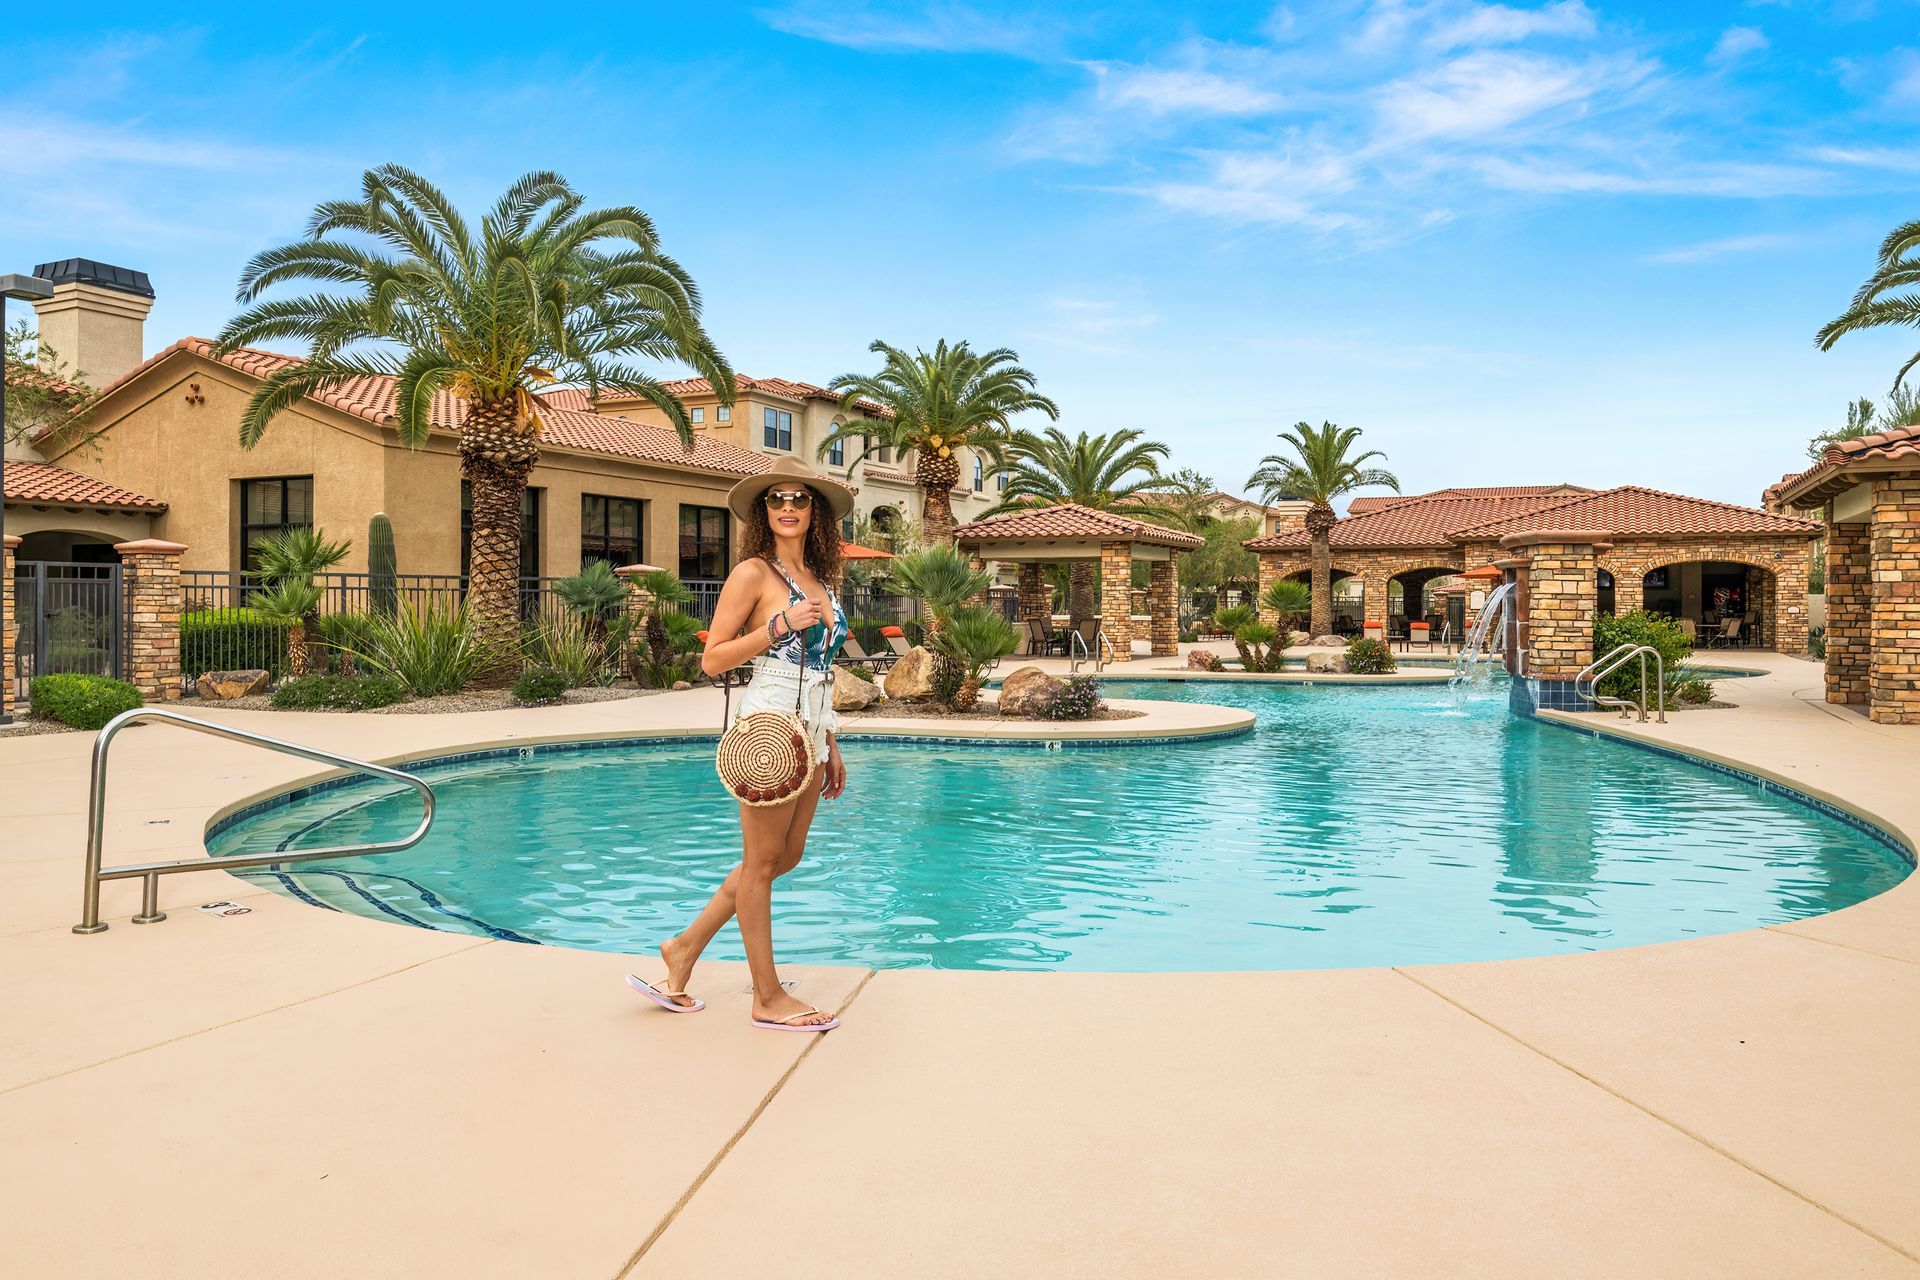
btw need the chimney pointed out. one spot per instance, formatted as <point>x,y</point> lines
<point>95,317</point>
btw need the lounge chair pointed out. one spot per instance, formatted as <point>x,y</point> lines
<point>896,638</point>
<point>1419,633</point>
<point>854,654</point>
<point>1375,631</point>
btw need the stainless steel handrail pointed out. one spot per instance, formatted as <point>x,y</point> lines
<point>151,872</point>
<point>1600,668</point>
<point>1077,651</point>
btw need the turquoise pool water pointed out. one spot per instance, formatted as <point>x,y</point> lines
<point>1354,826</point>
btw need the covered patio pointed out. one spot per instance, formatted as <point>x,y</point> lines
<point>1107,542</point>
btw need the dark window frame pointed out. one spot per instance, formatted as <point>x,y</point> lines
<point>600,543</point>
<point>776,429</point>
<point>248,527</point>
<point>703,548</point>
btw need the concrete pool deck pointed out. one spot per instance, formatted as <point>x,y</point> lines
<point>297,1093</point>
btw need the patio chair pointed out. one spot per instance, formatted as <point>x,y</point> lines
<point>1419,633</point>
<point>1042,640</point>
<point>1727,637</point>
<point>1687,625</point>
<point>1089,629</point>
<point>854,654</point>
<point>1375,631</point>
<point>896,638</point>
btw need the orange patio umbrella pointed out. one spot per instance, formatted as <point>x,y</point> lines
<point>854,551</point>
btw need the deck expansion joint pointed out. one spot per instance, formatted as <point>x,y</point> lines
<point>1668,1121</point>
<point>700,1179</point>
<point>1782,932</point>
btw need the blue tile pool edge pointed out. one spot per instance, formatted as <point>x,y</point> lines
<point>1846,817</point>
<point>267,804</point>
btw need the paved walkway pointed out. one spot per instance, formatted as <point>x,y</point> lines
<point>295,1093</point>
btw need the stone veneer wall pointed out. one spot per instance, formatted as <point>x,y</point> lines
<point>1849,612</point>
<point>1116,586</point>
<point>1560,609</point>
<point>1163,594</point>
<point>8,659</point>
<point>1035,596</point>
<point>1894,674</point>
<point>1779,592</point>
<point>151,571</point>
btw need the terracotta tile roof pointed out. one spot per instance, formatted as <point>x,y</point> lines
<point>1365,506</point>
<point>1632,510</point>
<point>43,484</point>
<point>1426,520</point>
<point>574,398</point>
<point>778,386</point>
<point>372,399</point>
<point>1361,506</point>
<point>1831,474</point>
<point>1070,520</point>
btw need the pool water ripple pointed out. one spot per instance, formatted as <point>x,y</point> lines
<point>1354,826</point>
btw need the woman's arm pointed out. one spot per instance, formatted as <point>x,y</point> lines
<point>726,647</point>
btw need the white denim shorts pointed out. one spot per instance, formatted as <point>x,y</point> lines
<point>772,689</point>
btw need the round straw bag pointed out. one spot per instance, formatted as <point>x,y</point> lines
<point>766,757</point>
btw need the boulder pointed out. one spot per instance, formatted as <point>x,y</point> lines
<point>1327,663</point>
<point>215,685</point>
<point>681,686</point>
<point>1204,660</point>
<point>851,693</point>
<point>1328,642</point>
<point>1026,690</point>
<point>911,678</point>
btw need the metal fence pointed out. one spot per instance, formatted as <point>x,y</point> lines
<point>71,617</point>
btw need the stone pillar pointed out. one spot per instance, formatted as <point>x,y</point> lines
<point>1163,595</point>
<point>1849,612</point>
<point>1762,598</point>
<point>1373,605</point>
<point>979,599</point>
<point>1786,610</point>
<point>1116,587</point>
<point>1035,596</point>
<point>150,572</point>
<point>1894,666</point>
<point>1629,590</point>
<point>9,652</point>
<point>639,599</point>
<point>1560,605</point>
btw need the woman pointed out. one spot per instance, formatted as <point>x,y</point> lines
<point>776,611</point>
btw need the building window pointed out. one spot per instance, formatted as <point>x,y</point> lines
<point>696,414</point>
<point>269,507</point>
<point>703,543</point>
<point>979,476</point>
<point>837,454</point>
<point>609,530</point>
<point>777,429</point>
<point>883,454</point>
<point>529,531</point>
<point>1001,481</point>
<point>723,413</point>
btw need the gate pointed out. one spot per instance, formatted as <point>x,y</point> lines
<point>72,618</point>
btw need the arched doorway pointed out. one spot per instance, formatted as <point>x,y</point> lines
<point>1412,596</point>
<point>67,546</point>
<point>1349,597</point>
<point>1724,603</point>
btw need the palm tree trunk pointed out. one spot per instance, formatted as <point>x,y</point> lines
<point>296,648</point>
<point>1080,590</point>
<point>1319,526</point>
<point>937,476</point>
<point>497,453</point>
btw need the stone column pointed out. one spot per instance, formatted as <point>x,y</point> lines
<point>979,599</point>
<point>1163,595</point>
<point>1373,605</point>
<point>1894,667</point>
<point>9,652</point>
<point>1035,596</point>
<point>1629,589</point>
<point>1786,610</point>
<point>1849,612</point>
<point>639,599</point>
<point>150,573</point>
<point>1560,605</point>
<point>1116,587</point>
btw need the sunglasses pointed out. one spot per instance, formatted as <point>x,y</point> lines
<point>798,499</point>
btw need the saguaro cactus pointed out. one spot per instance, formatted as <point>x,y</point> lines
<point>382,567</point>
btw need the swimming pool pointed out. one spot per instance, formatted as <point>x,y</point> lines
<point>1354,826</point>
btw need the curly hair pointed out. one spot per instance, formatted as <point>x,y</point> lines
<point>823,537</point>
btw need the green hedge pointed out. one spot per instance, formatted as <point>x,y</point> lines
<point>231,640</point>
<point>1610,631</point>
<point>85,702</point>
<point>338,693</point>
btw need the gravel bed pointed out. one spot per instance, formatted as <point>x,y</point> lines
<point>446,704</point>
<point>983,711</point>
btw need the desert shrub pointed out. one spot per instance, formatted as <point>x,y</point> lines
<point>342,635</point>
<point>1639,627</point>
<point>85,702</point>
<point>232,640</point>
<point>336,693</point>
<point>1694,692</point>
<point>426,650</point>
<point>1077,699</point>
<point>969,640</point>
<point>1817,643</point>
<point>540,686</point>
<point>1205,660</point>
<point>1188,635</point>
<point>567,645</point>
<point>1369,657</point>
<point>1291,602</point>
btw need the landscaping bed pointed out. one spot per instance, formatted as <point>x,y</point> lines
<point>443,704</point>
<point>982,711</point>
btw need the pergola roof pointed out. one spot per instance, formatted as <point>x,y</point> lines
<point>1069,522</point>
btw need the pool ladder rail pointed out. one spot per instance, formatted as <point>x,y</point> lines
<point>150,872</point>
<point>1587,683</point>
<point>1077,652</point>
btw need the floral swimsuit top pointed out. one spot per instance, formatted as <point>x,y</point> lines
<point>789,647</point>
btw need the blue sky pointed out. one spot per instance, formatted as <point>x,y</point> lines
<point>1514,243</point>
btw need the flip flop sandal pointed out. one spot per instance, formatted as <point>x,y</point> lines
<point>787,1023</point>
<point>663,998</point>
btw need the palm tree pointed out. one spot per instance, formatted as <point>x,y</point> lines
<point>287,561</point>
<point>1319,470</point>
<point>1105,472</point>
<point>942,577</point>
<point>1877,302</point>
<point>935,403</point>
<point>544,292</point>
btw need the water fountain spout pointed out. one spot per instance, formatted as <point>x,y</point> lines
<point>1492,621</point>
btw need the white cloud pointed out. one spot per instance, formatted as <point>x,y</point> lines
<point>1484,24</point>
<point>1487,91</point>
<point>39,143</point>
<point>941,27</point>
<point>1736,45</point>
<point>1537,176</point>
<point>1167,92</point>
<point>1888,158</point>
<point>1730,246</point>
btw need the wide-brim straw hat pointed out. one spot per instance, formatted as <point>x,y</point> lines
<point>788,469</point>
